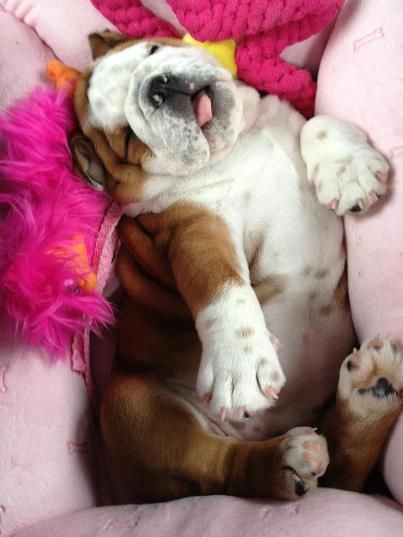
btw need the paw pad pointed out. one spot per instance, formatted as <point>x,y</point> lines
<point>372,378</point>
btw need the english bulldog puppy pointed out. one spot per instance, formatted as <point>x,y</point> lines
<point>234,201</point>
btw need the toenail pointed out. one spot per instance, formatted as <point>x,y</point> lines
<point>271,392</point>
<point>382,177</point>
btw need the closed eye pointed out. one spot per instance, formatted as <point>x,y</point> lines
<point>153,49</point>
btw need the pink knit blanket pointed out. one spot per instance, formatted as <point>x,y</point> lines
<point>262,29</point>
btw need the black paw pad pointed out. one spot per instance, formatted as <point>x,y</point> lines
<point>355,209</point>
<point>382,389</point>
<point>300,488</point>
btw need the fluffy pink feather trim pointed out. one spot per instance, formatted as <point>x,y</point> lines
<point>44,210</point>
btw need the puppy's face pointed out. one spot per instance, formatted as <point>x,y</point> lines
<point>175,99</point>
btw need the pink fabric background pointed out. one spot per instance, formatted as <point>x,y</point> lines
<point>366,47</point>
<point>47,445</point>
<point>326,513</point>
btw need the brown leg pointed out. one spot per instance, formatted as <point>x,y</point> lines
<point>368,402</point>
<point>163,453</point>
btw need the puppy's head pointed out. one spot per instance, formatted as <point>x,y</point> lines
<point>166,107</point>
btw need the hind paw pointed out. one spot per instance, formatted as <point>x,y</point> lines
<point>371,379</point>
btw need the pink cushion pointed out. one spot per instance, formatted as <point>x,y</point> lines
<point>45,426</point>
<point>63,26</point>
<point>20,72</point>
<point>325,513</point>
<point>45,416</point>
<point>361,80</point>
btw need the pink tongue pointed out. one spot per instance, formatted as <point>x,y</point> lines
<point>202,108</point>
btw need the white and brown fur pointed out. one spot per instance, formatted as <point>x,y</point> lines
<point>240,218</point>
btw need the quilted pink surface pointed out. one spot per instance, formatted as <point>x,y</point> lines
<point>262,28</point>
<point>45,415</point>
<point>326,513</point>
<point>369,35</point>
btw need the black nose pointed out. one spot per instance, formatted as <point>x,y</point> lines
<point>160,87</point>
<point>164,87</point>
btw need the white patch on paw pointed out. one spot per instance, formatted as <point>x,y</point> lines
<point>239,371</point>
<point>371,379</point>
<point>305,457</point>
<point>348,174</point>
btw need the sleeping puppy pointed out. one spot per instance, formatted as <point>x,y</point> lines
<point>237,201</point>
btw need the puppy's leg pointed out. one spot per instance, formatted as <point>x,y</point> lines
<point>346,172</point>
<point>239,369</point>
<point>369,400</point>
<point>164,453</point>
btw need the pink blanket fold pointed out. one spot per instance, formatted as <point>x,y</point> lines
<point>262,29</point>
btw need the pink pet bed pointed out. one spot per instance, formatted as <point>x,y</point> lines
<point>54,480</point>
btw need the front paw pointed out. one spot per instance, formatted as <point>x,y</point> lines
<point>352,180</point>
<point>240,373</point>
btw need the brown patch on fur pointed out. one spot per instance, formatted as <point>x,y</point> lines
<point>209,323</point>
<point>162,453</point>
<point>120,151</point>
<point>244,332</point>
<point>101,43</point>
<point>376,343</point>
<point>341,170</point>
<point>195,240</point>
<point>321,135</point>
<point>321,274</point>
<point>307,270</point>
<point>104,42</point>
<point>326,309</point>
<point>141,246</point>
<point>124,179</point>
<point>275,377</point>
<point>247,349</point>
<point>147,291</point>
<point>355,444</point>
<point>270,288</point>
<point>254,245</point>
<point>340,295</point>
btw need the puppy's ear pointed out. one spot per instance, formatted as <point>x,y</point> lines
<point>87,162</point>
<point>103,42</point>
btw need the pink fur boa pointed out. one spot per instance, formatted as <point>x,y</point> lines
<point>262,29</point>
<point>45,208</point>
